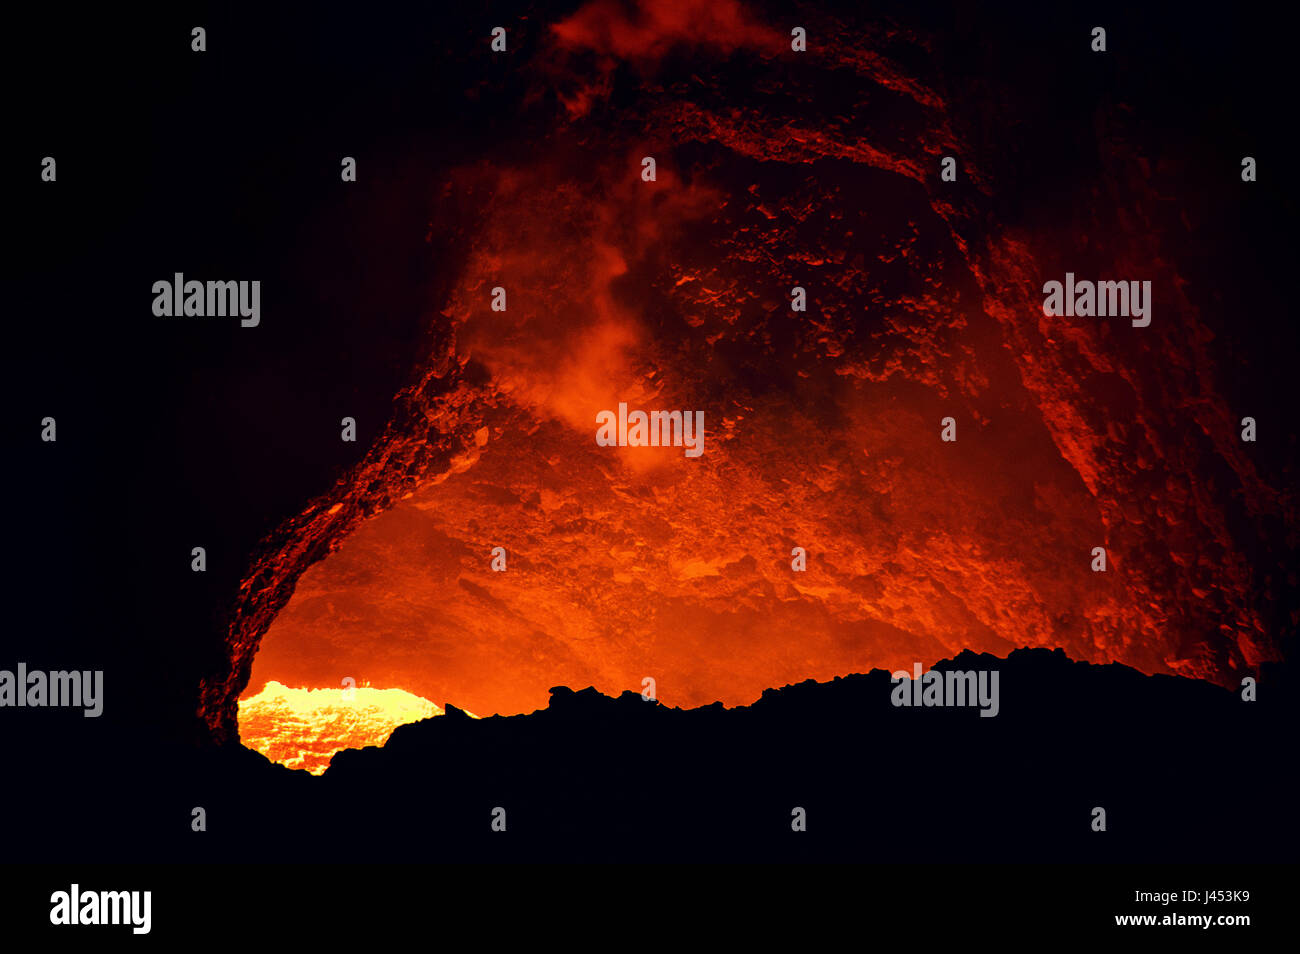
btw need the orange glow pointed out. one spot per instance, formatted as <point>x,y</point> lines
<point>303,728</point>
<point>634,563</point>
<point>823,437</point>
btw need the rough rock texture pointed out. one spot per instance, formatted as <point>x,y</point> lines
<point>822,428</point>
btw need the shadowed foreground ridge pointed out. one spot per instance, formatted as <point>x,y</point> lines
<point>593,777</point>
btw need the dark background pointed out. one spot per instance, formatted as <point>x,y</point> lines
<point>175,434</point>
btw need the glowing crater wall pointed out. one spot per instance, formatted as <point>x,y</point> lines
<point>822,427</point>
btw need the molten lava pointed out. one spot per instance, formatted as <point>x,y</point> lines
<point>303,728</point>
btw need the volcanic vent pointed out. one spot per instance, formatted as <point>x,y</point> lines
<point>822,427</point>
